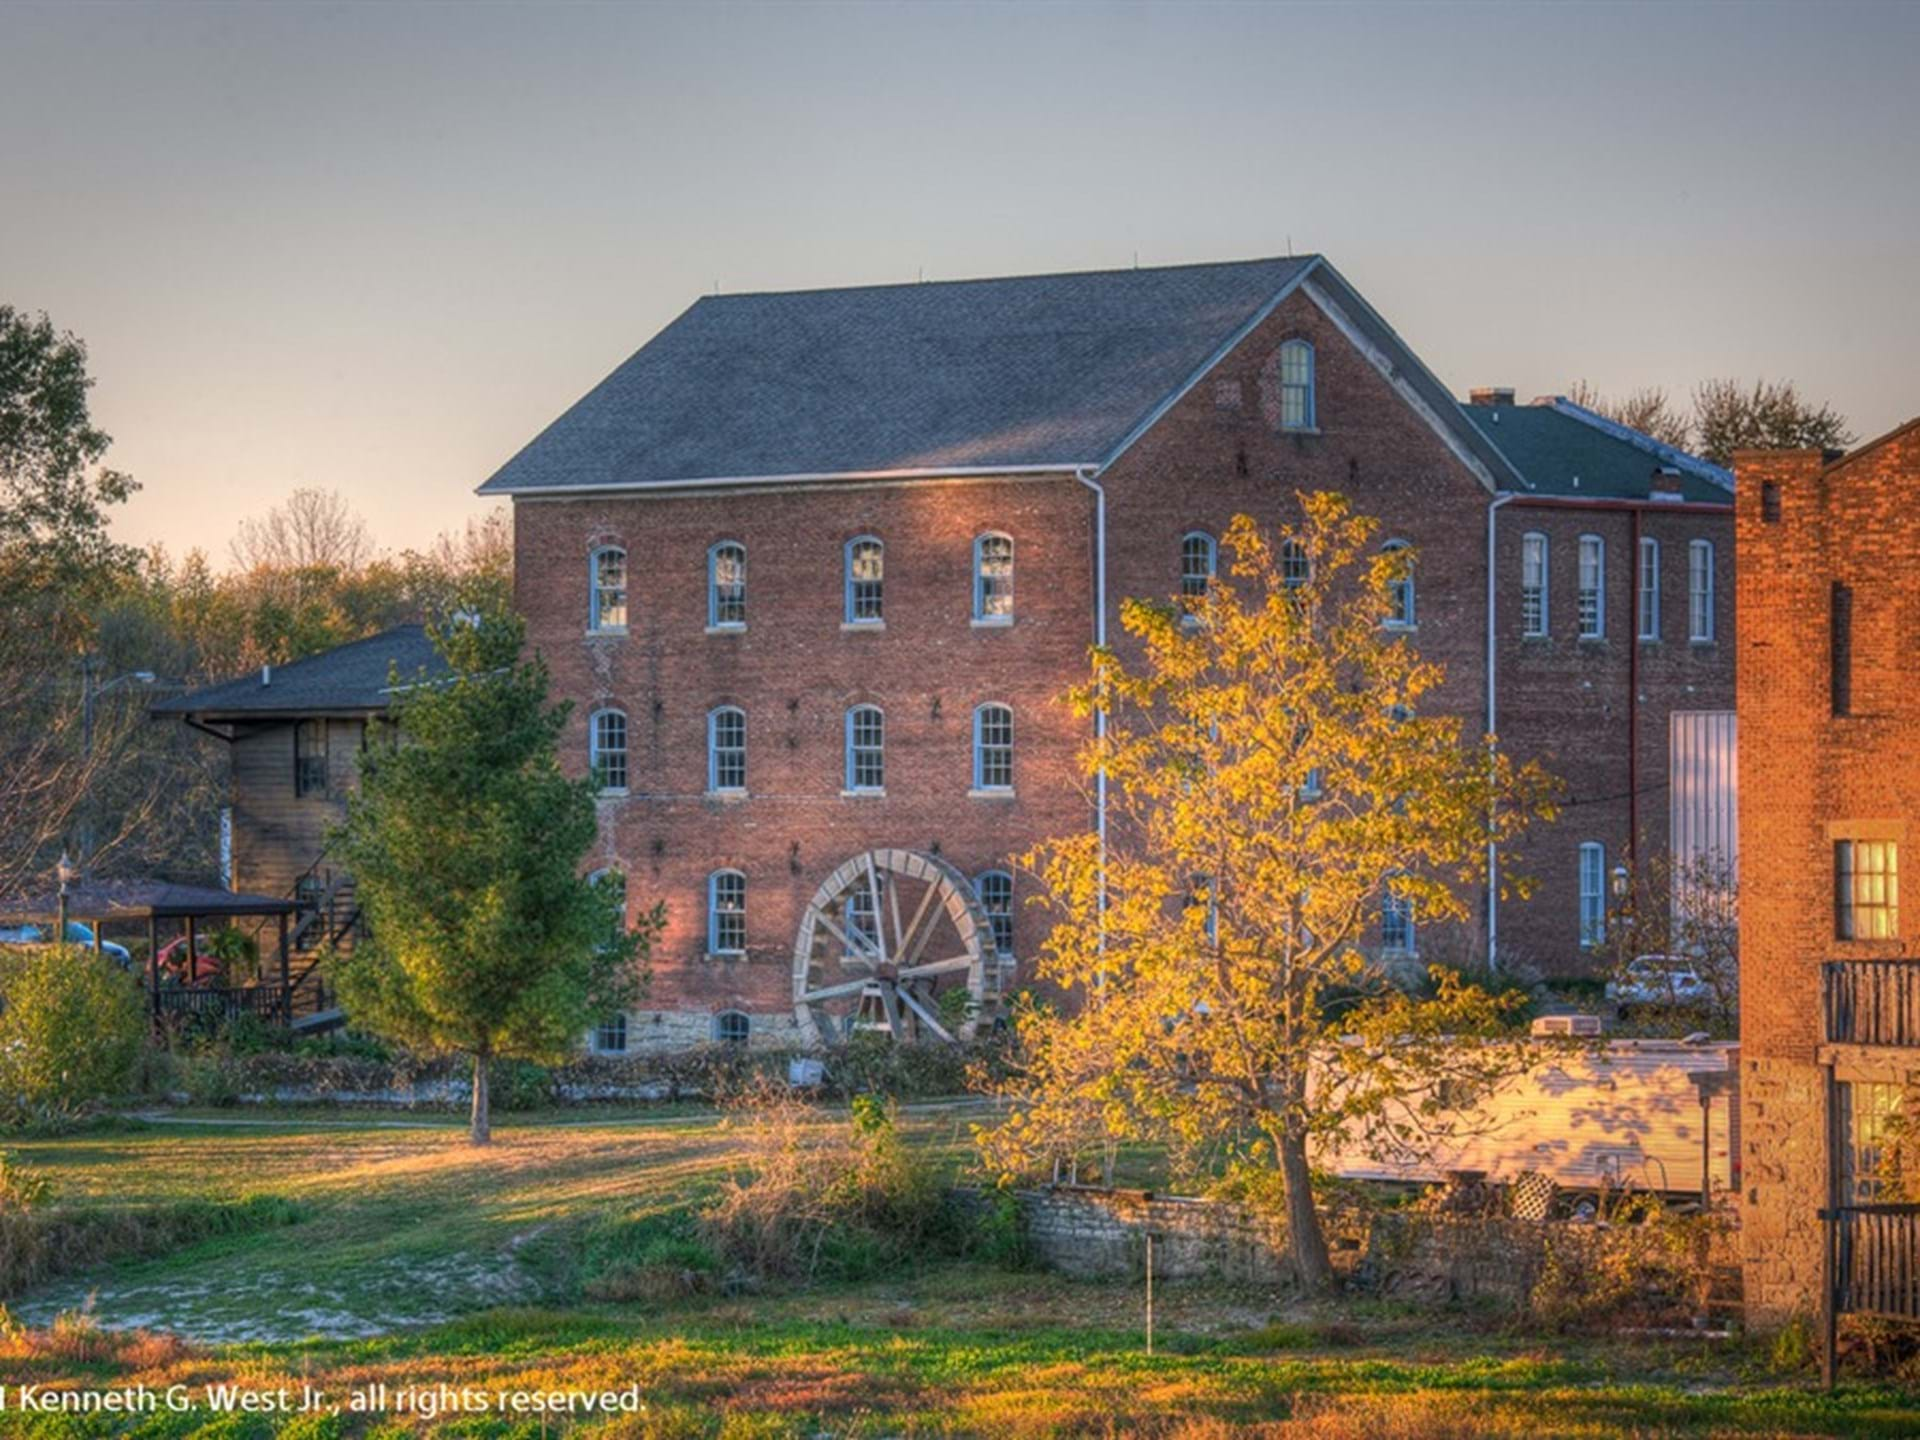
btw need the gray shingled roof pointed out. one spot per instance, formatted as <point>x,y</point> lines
<point>1562,449</point>
<point>354,676</point>
<point>1028,372</point>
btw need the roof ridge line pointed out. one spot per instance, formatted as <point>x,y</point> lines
<point>1311,255</point>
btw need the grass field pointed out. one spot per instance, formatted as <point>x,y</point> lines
<point>421,1263</point>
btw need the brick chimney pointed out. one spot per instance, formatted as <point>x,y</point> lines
<point>1490,395</point>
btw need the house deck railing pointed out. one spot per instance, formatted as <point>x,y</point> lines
<point>1874,1259</point>
<point>1871,1002</point>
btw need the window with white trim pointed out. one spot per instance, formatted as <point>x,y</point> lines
<point>607,748</point>
<point>1533,584</point>
<point>1593,587</point>
<point>1401,614</point>
<point>727,585</point>
<point>995,889</point>
<point>866,748</point>
<point>993,748</point>
<point>866,577</point>
<point>607,604</point>
<point>993,577</point>
<point>1866,889</point>
<point>1296,386</point>
<point>1593,893</point>
<point>727,748</point>
<point>727,913</point>
<point>1296,566</point>
<point>1396,921</point>
<point>1649,588</point>
<point>1700,591</point>
<point>730,1027</point>
<point>1198,556</point>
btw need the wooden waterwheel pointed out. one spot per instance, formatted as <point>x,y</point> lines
<point>895,941</point>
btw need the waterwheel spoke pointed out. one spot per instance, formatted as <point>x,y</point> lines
<point>854,944</point>
<point>889,1004</point>
<point>879,925</point>
<point>910,953</point>
<point>829,992</point>
<point>938,967</point>
<point>927,1017</point>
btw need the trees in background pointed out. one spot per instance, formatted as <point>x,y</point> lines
<point>1282,799</point>
<point>1726,416</point>
<point>468,845</point>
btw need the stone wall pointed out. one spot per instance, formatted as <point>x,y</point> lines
<point>1783,1167</point>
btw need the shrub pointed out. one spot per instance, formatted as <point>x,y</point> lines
<point>1655,1271</point>
<point>37,1244</point>
<point>21,1189</point>
<point>71,1031</point>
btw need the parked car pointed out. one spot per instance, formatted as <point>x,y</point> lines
<point>77,934</point>
<point>1660,980</point>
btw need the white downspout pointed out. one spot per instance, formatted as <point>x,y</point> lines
<point>1493,728</point>
<point>1100,638</point>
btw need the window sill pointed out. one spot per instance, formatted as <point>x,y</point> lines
<point>720,955</point>
<point>610,632</point>
<point>612,793</point>
<point>992,622</point>
<point>1299,429</point>
<point>729,629</point>
<point>991,792</point>
<point>726,797</point>
<point>1400,627</point>
<point>864,794</point>
<point>1697,643</point>
<point>854,627</point>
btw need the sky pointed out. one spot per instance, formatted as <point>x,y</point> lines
<point>376,248</point>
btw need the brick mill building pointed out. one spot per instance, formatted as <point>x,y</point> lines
<point>816,569</point>
<point>1829,799</point>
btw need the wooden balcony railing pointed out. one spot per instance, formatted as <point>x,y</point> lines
<point>1874,1259</point>
<point>1871,1002</point>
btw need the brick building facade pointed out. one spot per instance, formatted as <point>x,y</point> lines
<point>1107,426</point>
<point>1829,786</point>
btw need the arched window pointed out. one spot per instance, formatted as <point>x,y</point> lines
<point>1296,386</point>
<point>995,889</point>
<point>993,748</point>
<point>727,913</point>
<point>607,749</point>
<point>727,749</point>
<point>1296,566</point>
<point>727,586</point>
<point>993,578</point>
<point>1197,558</point>
<point>607,605</point>
<point>1700,592</point>
<point>1396,921</point>
<point>866,749</point>
<point>1533,584</point>
<point>1593,893</point>
<point>866,576</point>
<point>1401,613</point>
<point>1649,588</point>
<point>1593,587</point>
<point>730,1027</point>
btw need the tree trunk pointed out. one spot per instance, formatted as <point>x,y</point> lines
<point>480,1129</point>
<point>1304,1236</point>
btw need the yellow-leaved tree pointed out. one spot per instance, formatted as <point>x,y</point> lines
<point>1277,785</point>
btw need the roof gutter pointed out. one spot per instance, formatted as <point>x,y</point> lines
<point>1493,729</point>
<point>1086,477</point>
<point>708,482</point>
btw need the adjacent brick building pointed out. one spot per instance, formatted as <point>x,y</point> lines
<point>1829,788</point>
<point>796,532</point>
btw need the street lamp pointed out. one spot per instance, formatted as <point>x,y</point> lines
<point>1619,882</point>
<point>68,872</point>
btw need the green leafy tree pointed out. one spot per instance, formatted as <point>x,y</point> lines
<point>70,1031</point>
<point>467,844</point>
<point>1278,780</point>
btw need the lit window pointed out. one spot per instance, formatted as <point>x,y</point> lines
<point>608,607</point>
<point>993,748</point>
<point>993,578</point>
<point>310,758</point>
<point>1866,889</point>
<point>1700,591</point>
<point>866,748</point>
<point>607,749</point>
<point>610,1035</point>
<point>730,1027</point>
<point>1296,386</point>
<point>1533,584</point>
<point>1593,587</point>
<point>1649,588</point>
<point>1593,893</point>
<point>1396,922</point>
<point>1400,599</point>
<point>727,585</point>
<point>727,749</point>
<point>1296,566</point>
<point>1197,557</point>
<point>1870,1120</point>
<point>727,912</point>
<point>996,898</point>
<point>866,575</point>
